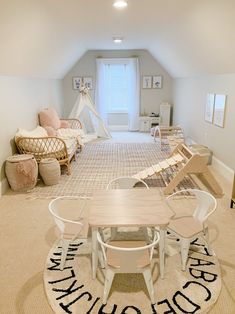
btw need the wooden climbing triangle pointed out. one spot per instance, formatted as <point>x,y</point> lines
<point>182,163</point>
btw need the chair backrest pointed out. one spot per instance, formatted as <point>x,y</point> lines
<point>206,205</point>
<point>69,228</point>
<point>125,183</point>
<point>128,256</point>
<point>205,202</point>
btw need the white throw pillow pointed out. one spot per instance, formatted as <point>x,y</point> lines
<point>37,132</point>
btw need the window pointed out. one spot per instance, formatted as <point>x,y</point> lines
<point>117,89</point>
<point>116,79</point>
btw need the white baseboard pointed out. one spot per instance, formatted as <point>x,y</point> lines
<point>218,165</point>
<point>4,186</point>
<point>222,169</point>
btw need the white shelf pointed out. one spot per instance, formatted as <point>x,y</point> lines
<point>145,123</point>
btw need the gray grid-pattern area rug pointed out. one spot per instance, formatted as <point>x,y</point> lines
<point>101,161</point>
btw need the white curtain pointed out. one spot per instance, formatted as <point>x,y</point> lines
<point>101,99</point>
<point>133,88</point>
<point>134,94</point>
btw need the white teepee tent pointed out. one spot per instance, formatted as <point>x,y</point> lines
<point>85,111</point>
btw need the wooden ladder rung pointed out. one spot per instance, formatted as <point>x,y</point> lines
<point>157,168</point>
<point>164,165</point>
<point>164,179</point>
<point>150,171</point>
<point>143,174</point>
<point>178,157</point>
<point>171,161</point>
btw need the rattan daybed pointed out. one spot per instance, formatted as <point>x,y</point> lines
<point>64,150</point>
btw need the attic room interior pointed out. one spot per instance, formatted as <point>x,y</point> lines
<point>117,169</point>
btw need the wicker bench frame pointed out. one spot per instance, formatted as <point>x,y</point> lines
<point>47,147</point>
<point>50,147</point>
<point>73,123</point>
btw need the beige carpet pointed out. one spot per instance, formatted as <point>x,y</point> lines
<point>74,291</point>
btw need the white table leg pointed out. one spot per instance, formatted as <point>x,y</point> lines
<point>94,252</point>
<point>162,251</point>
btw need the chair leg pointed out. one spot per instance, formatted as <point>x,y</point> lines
<point>231,204</point>
<point>184,245</point>
<point>149,283</point>
<point>107,285</point>
<point>68,168</point>
<point>101,259</point>
<point>206,235</point>
<point>65,246</point>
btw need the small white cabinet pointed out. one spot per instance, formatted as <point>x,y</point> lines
<point>147,122</point>
<point>165,114</point>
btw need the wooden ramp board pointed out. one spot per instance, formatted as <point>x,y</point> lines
<point>178,158</point>
<point>164,164</point>
<point>182,163</point>
<point>158,168</point>
<point>172,161</point>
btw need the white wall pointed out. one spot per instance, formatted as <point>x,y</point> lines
<point>150,98</point>
<point>189,110</point>
<point>20,101</point>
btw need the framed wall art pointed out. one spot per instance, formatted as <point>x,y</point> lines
<point>219,110</point>
<point>77,81</point>
<point>157,81</point>
<point>209,108</point>
<point>147,82</point>
<point>87,81</point>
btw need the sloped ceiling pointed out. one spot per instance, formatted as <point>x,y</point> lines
<point>45,38</point>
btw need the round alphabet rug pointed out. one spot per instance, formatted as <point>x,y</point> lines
<point>73,290</point>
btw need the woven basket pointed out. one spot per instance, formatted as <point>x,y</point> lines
<point>49,169</point>
<point>21,172</point>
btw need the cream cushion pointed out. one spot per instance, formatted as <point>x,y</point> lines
<point>71,134</point>
<point>37,132</point>
<point>49,117</point>
<point>71,138</point>
<point>32,146</point>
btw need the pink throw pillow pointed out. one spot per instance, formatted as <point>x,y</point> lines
<point>49,117</point>
<point>50,131</point>
<point>64,124</point>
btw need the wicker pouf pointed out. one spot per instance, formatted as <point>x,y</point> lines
<point>21,172</point>
<point>49,169</point>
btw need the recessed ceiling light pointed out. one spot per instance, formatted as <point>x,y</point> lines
<point>117,40</point>
<point>120,4</point>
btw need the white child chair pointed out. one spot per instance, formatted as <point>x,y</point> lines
<point>128,257</point>
<point>188,227</point>
<point>70,229</point>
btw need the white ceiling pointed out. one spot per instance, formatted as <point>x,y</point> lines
<point>45,38</point>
